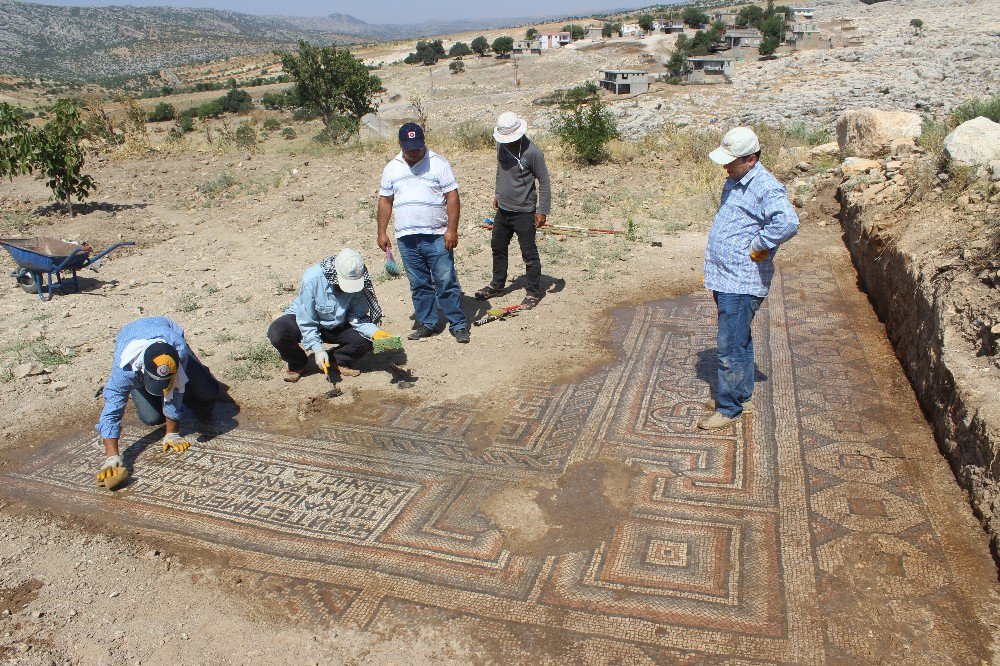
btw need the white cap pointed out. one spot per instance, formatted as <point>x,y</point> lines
<point>738,142</point>
<point>350,270</point>
<point>509,128</point>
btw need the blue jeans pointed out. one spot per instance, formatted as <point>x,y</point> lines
<point>201,388</point>
<point>735,351</point>
<point>433,281</point>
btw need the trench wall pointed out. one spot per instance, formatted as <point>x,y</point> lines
<point>915,301</point>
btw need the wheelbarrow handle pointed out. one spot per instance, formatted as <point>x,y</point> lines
<point>114,247</point>
<point>66,262</point>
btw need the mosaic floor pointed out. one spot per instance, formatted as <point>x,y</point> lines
<point>596,523</point>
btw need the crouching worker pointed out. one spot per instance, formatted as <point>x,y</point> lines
<point>155,367</point>
<point>336,305</point>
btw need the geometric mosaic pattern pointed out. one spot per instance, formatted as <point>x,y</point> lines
<point>736,544</point>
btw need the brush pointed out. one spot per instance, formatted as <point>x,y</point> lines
<point>391,267</point>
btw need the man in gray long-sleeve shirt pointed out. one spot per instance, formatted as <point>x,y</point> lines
<point>521,209</point>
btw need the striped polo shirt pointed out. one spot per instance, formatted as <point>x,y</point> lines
<point>419,193</point>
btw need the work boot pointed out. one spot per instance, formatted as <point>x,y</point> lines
<point>461,335</point>
<point>345,371</point>
<point>716,420</point>
<point>420,332</point>
<point>710,405</point>
<point>292,376</point>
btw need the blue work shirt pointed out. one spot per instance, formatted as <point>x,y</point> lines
<point>123,380</point>
<point>319,305</point>
<point>755,215</point>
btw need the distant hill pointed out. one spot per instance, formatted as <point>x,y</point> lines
<point>108,44</point>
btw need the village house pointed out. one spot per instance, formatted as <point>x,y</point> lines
<point>631,30</point>
<point>743,44</point>
<point>803,13</point>
<point>716,68</point>
<point>625,81</point>
<point>595,32</point>
<point>728,19</point>
<point>807,37</point>
<point>669,27</point>
<point>553,40</point>
<point>523,47</point>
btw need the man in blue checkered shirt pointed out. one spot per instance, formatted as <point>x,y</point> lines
<point>754,219</point>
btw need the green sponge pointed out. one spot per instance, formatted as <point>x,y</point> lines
<point>385,344</point>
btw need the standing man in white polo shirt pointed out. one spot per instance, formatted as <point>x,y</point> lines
<point>420,187</point>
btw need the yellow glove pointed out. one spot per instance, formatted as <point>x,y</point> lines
<point>759,255</point>
<point>112,473</point>
<point>174,442</point>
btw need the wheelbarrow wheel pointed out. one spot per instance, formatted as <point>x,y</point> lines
<point>26,280</point>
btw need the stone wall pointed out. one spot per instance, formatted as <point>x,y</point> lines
<point>935,287</point>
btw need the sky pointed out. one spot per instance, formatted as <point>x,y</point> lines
<point>389,11</point>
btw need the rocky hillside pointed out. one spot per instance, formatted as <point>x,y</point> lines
<point>106,44</point>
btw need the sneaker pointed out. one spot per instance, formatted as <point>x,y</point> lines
<point>747,406</point>
<point>461,335</point>
<point>716,420</point>
<point>420,332</point>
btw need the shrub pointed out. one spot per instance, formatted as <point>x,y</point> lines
<point>990,108</point>
<point>288,133</point>
<point>338,130</point>
<point>189,113</point>
<point>210,109</point>
<point>456,66</point>
<point>162,112</point>
<point>236,101</point>
<point>185,124</point>
<point>271,124</point>
<point>580,94</point>
<point>586,130</point>
<point>217,185</point>
<point>245,137</point>
<point>473,136</point>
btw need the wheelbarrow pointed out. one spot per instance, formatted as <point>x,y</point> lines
<point>43,257</point>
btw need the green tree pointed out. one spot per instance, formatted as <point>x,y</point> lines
<point>456,66</point>
<point>645,22</point>
<point>16,142</point>
<point>502,45</point>
<point>768,46</point>
<point>59,155</point>
<point>459,50</point>
<point>917,25</point>
<point>530,33</point>
<point>575,31</point>
<point>677,65</point>
<point>331,81</point>
<point>586,130</point>
<point>480,45</point>
<point>611,27</point>
<point>694,18</point>
<point>749,15</point>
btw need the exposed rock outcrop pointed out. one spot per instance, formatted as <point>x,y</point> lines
<point>870,132</point>
<point>974,143</point>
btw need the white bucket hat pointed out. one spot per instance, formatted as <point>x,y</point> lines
<point>738,142</point>
<point>350,270</point>
<point>509,128</point>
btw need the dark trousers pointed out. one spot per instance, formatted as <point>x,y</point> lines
<point>285,335</point>
<point>505,225</point>
<point>201,388</point>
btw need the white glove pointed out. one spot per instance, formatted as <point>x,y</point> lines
<point>322,359</point>
<point>112,461</point>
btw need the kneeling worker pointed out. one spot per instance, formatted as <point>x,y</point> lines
<point>336,305</point>
<point>155,367</point>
